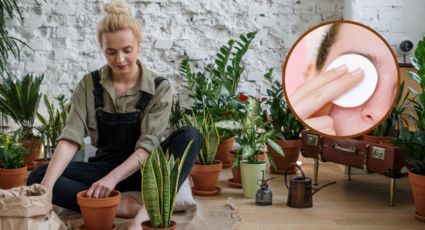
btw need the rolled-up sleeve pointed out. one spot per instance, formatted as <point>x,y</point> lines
<point>155,118</point>
<point>75,125</point>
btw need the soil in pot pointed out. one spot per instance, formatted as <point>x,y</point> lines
<point>98,213</point>
<point>10,178</point>
<point>146,226</point>
<point>205,177</point>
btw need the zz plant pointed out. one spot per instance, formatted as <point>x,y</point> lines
<point>160,181</point>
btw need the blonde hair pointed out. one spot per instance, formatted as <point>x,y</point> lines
<point>118,17</point>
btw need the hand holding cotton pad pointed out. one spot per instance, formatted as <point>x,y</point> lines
<point>360,93</point>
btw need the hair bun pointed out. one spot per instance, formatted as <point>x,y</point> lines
<point>117,7</point>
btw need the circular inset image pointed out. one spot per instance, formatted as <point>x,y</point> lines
<point>341,79</point>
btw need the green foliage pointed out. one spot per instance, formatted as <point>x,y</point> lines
<point>414,144</point>
<point>397,118</point>
<point>11,152</point>
<point>214,90</point>
<point>205,125</point>
<point>177,114</point>
<point>160,179</point>
<point>19,100</point>
<point>283,122</point>
<point>52,125</point>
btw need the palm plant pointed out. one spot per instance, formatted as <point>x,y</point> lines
<point>19,100</point>
<point>160,180</point>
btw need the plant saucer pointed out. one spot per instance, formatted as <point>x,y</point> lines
<point>234,184</point>
<point>419,217</point>
<point>214,192</point>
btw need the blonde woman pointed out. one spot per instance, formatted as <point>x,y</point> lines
<point>124,109</point>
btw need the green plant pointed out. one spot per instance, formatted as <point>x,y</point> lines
<point>214,90</point>
<point>19,100</point>
<point>205,125</point>
<point>397,118</point>
<point>160,179</point>
<point>55,122</point>
<point>177,114</point>
<point>283,122</point>
<point>11,152</point>
<point>414,144</point>
<point>252,136</point>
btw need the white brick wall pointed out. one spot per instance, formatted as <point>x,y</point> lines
<point>62,35</point>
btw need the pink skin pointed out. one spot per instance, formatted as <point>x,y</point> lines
<point>355,39</point>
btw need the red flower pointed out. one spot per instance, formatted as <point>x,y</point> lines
<point>243,97</point>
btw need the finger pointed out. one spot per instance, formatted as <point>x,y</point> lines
<point>318,98</point>
<point>96,192</point>
<point>324,124</point>
<point>317,82</point>
<point>89,193</point>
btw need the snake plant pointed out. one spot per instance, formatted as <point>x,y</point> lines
<point>205,125</point>
<point>160,179</point>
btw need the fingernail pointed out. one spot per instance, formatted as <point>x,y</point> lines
<point>341,69</point>
<point>357,73</point>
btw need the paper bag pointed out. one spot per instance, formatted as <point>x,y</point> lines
<point>28,208</point>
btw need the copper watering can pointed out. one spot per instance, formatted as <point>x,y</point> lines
<point>301,191</point>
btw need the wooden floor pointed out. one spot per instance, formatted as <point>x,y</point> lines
<point>362,203</point>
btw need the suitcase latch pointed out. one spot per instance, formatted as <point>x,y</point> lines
<point>312,139</point>
<point>378,153</point>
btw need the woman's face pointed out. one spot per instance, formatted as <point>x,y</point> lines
<point>358,40</point>
<point>121,49</point>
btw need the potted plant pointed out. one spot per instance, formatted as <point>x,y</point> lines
<point>206,169</point>
<point>12,168</point>
<point>19,100</point>
<point>413,144</point>
<point>214,90</point>
<point>252,140</point>
<point>160,179</point>
<point>285,127</point>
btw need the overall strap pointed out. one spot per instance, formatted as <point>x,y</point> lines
<point>98,90</point>
<point>146,97</point>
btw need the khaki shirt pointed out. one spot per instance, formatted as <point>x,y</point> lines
<point>81,120</point>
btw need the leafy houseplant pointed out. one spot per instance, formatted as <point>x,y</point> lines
<point>12,168</point>
<point>285,127</point>
<point>160,179</point>
<point>19,99</point>
<point>414,144</point>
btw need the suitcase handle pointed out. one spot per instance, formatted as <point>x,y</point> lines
<point>344,149</point>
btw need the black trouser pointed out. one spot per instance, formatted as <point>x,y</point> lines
<point>79,176</point>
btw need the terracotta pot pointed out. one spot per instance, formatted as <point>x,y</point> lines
<point>10,178</point>
<point>377,139</point>
<point>418,188</point>
<point>98,214</point>
<point>33,147</point>
<point>223,152</point>
<point>40,162</point>
<point>146,226</point>
<point>236,172</point>
<point>205,177</point>
<point>83,227</point>
<point>292,149</point>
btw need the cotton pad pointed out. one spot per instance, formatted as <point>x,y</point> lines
<point>360,93</point>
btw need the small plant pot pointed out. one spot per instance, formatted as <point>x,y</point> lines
<point>146,226</point>
<point>33,147</point>
<point>98,213</point>
<point>83,227</point>
<point>223,152</point>
<point>235,181</point>
<point>292,149</point>
<point>418,188</point>
<point>10,178</point>
<point>205,177</point>
<point>40,162</point>
<point>251,174</point>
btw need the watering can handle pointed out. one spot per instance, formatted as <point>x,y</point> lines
<point>286,174</point>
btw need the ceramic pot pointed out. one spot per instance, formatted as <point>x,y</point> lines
<point>251,173</point>
<point>418,188</point>
<point>292,149</point>
<point>98,213</point>
<point>146,226</point>
<point>223,152</point>
<point>10,178</point>
<point>205,177</point>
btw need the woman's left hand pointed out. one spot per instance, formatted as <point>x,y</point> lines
<point>103,187</point>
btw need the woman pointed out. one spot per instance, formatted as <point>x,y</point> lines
<point>124,109</point>
<point>311,100</point>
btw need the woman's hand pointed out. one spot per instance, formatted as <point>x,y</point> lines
<point>311,100</point>
<point>103,187</point>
